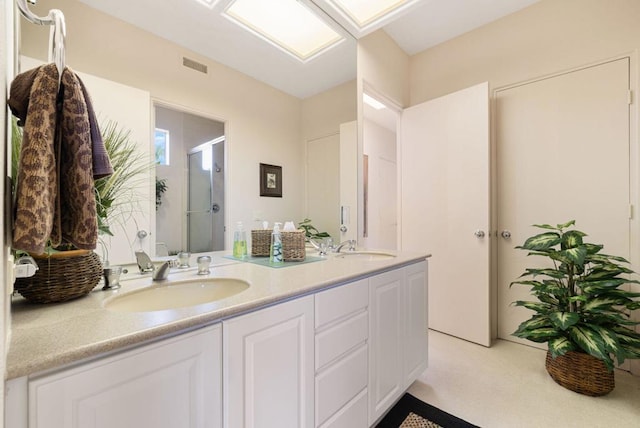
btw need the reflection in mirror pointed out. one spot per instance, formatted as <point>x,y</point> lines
<point>379,165</point>
<point>190,161</point>
<point>271,122</point>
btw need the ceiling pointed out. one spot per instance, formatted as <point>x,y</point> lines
<point>203,29</point>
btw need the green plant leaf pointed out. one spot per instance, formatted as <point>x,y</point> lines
<point>572,239</point>
<point>602,303</point>
<point>560,345</point>
<point>610,340</point>
<point>528,282</point>
<point>629,340</point>
<point>538,335</point>
<point>567,224</point>
<point>591,343</point>
<point>595,287</point>
<point>534,323</point>
<point>541,241</point>
<point>571,255</point>
<point>542,308</point>
<point>564,320</point>
<point>606,272</point>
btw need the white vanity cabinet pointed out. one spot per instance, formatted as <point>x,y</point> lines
<point>173,383</point>
<point>341,350</point>
<point>397,334</point>
<point>268,367</point>
<point>335,358</point>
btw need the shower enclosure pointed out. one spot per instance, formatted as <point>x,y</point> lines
<point>205,197</point>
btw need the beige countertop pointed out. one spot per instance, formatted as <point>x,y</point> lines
<point>45,337</point>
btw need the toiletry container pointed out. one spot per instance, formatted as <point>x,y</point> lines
<point>239,242</point>
<point>276,256</point>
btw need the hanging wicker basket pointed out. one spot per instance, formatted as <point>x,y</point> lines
<point>581,373</point>
<point>61,276</point>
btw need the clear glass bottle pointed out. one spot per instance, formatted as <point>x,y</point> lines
<point>239,242</point>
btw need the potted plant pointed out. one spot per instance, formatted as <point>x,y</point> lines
<point>310,231</point>
<point>65,272</point>
<point>581,312</point>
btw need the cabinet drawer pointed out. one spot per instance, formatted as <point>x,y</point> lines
<point>340,383</point>
<point>338,339</point>
<point>333,304</point>
<point>354,414</point>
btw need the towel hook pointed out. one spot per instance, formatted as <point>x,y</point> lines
<point>57,34</point>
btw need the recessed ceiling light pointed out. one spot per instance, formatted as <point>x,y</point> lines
<point>286,23</point>
<point>364,12</point>
<point>372,102</point>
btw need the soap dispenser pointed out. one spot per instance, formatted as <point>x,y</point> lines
<point>276,256</point>
<point>239,242</point>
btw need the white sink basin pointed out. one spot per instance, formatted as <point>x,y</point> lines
<point>366,255</point>
<point>178,294</point>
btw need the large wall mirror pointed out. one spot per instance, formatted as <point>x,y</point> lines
<point>276,110</point>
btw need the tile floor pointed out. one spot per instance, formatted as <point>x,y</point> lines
<point>507,386</point>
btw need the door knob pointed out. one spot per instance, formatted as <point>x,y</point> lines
<point>505,234</point>
<point>215,208</point>
<point>343,228</point>
<point>479,233</point>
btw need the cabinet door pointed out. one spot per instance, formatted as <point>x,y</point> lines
<point>385,341</point>
<point>269,369</point>
<point>415,329</point>
<point>174,383</point>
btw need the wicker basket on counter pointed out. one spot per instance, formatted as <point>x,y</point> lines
<point>293,246</point>
<point>260,242</point>
<point>61,276</point>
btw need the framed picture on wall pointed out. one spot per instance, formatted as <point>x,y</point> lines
<point>270,180</point>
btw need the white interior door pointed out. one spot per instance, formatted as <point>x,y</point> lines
<point>562,154</point>
<point>445,201</point>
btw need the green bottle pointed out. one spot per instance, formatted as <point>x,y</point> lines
<point>239,242</point>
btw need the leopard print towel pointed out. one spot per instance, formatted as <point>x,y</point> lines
<point>55,197</point>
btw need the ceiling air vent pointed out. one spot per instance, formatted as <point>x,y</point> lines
<point>195,65</point>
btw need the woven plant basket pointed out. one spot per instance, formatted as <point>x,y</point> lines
<point>581,373</point>
<point>260,242</point>
<point>61,276</point>
<point>293,246</point>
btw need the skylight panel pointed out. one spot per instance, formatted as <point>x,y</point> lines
<point>364,12</point>
<point>285,23</point>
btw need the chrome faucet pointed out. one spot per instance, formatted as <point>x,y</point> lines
<point>146,266</point>
<point>350,242</point>
<point>144,262</point>
<point>162,272</point>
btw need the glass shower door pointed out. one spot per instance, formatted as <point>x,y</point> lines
<point>205,214</point>
<point>199,204</point>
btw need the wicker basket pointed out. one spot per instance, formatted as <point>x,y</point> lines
<point>293,246</point>
<point>260,242</point>
<point>61,276</point>
<point>581,373</point>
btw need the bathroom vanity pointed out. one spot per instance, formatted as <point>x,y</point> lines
<point>331,343</point>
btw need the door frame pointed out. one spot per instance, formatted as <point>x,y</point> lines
<point>634,174</point>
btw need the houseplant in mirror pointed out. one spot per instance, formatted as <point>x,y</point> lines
<point>581,311</point>
<point>66,272</point>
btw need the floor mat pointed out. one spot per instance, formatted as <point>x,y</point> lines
<point>409,412</point>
